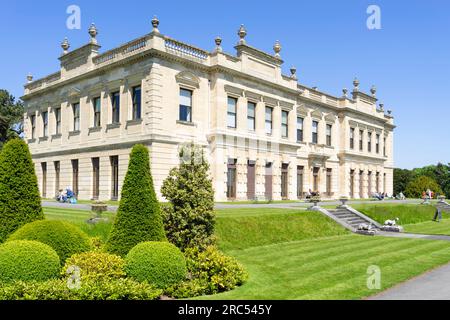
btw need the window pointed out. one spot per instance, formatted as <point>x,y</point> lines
<point>329,177</point>
<point>299,129</point>
<point>114,177</point>
<point>75,177</point>
<point>284,181</point>
<point>269,119</point>
<point>369,188</point>
<point>284,124</point>
<point>361,142</point>
<point>76,116</point>
<point>268,181</point>
<point>33,126</point>
<point>231,113</point>
<point>115,103</point>
<point>97,112</point>
<point>137,100</point>
<point>352,184</point>
<point>329,129</point>
<point>44,179</point>
<point>45,123</point>
<point>231,179</point>
<point>369,142</point>
<point>377,144</point>
<point>377,189</point>
<point>95,178</point>
<point>352,138</point>
<point>315,132</point>
<point>316,172</point>
<point>251,179</point>
<point>251,116</point>
<point>57,165</point>
<point>185,105</point>
<point>300,172</point>
<point>58,121</point>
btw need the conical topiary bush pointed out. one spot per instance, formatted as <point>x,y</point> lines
<point>138,217</point>
<point>20,201</point>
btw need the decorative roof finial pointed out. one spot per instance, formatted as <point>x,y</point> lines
<point>93,32</point>
<point>345,92</point>
<point>242,33</point>
<point>65,45</point>
<point>389,112</point>
<point>155,24</point>
<point>29,78</point>
<point>277,48</point>
<point>356,84</point>
<point>218,41</point>
<point>373,90</point>
<point>381,107</point>
<point>293,73</point>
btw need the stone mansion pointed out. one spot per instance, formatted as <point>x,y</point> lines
<point>266,136</point>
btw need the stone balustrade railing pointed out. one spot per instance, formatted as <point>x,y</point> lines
<point>122,52</point>
<point>184,50</point>
<point>44,81</point>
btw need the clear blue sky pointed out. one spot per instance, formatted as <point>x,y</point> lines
<point>328,41</point>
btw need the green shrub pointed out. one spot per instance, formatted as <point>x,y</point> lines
<point>160,263</point>
<point>20,201</point>
<point>189,219</point>
<point>138,218</point>
<point>188,289</point>
<point>96,265</point>
<point>420,184</point>
<point>27,261</point>
<point>65,238</point>
<point>106,289</point>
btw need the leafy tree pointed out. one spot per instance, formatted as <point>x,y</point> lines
<point>189,218</point>
<point>401,179</point>
<point>20,201</point>
<point>11,114</point>
<point>416,187</point>
<point>139,217</point>
<point>440,173</point>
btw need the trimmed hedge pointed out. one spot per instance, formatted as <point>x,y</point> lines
<point>106,289</point>
<point>96,265</point>
<point>65,238</point>
<point>27,261</point>
<point>20,200</point>
<point>159,263</point>
<point>138,217</point>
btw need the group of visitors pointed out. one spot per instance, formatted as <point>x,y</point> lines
<point>427,196</point>
<point>310,194</point>
<point>381,196</point>
<point>66,196</point>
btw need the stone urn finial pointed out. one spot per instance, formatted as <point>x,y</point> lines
<point>155,24</point>
<point>381,107</point>
<point>373,91</point>
<point>293,73</point>
<point>356,84</point>
<point>218,42</point>
<point>29,78</point>
<point>277,48</point>
<point>345,92</point>
<point>93,32</point>
<point>242,33</point>
<point>389,112</point>
<point>65,45</point>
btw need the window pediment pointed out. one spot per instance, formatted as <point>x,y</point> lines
<point>188,78</point>
<point>316,114</point>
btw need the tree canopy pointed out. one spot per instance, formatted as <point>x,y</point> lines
<point>11,115</point>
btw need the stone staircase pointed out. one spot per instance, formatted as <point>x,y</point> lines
<point>353,219</point>
<point>444,206</point>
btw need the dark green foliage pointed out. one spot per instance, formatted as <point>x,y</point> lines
<point>65,238</point>
<point>212,272</point>
<point>100,290</point>
<point>20,201</point>
<point>189,219</point>
<point>416,187</point>
<point>27,261</point>
<point>159,263</point>
<point>11,115</point>
<point>401,179</point>
<point>139,217</point>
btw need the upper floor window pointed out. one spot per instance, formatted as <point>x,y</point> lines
<point>231,113</point>
<point>33,126</point>
<point>185,105</point>
<point>58,120</point>
<point>369,142</point>
<point>329,129</point>
<point>45,123</point>
<point>115,103</point>
<point>137,102</point>
<point>97,112</point>
<point>361,143</point>
<point>284,124</point>
<point>76,116</point>
<point>352,138</point>
<point>251,116</point>
<point>315,132</point>
<point>377,145</point>
<point>269,120</point>
<point>299,129</point>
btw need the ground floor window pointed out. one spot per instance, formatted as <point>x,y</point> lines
<point>75,173</point>
<point>378,183</point>
<point>329,177</point>
<point>44,179</point>
<point>361,184</point>
<point>95,178</point>
<point>369,175</point>
<point>231,179</point>
<point>268,181</point>
<point>316,179</point>
<point>114,177</point>
<point>352,184</point>
<point>300,173</point>
<point>284,181</point>
<point>57,165</point>
<point>251,173</point>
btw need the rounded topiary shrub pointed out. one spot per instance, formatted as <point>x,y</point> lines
<point>96,265</point>
<point>65,238</point>
<point>160,263</point>
<point>27,261</point>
